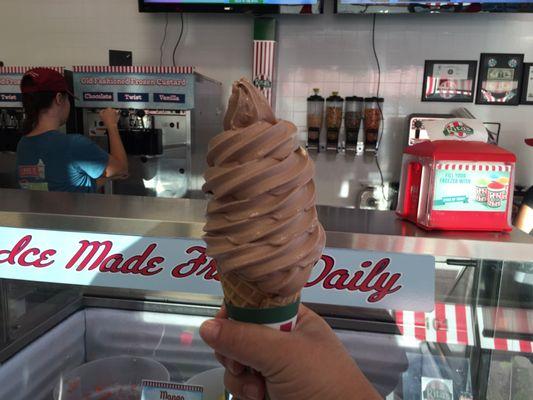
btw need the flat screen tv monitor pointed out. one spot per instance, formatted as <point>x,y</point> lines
<point>233,6</point>
<point>404,6</point>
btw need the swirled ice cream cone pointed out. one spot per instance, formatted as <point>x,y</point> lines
<point>262,227</point>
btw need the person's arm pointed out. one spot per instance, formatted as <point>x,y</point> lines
<point>117,164</point>
<point>309,363</point>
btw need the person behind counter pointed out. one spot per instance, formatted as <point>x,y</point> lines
<point>52,161</point>
<point>524,219</point>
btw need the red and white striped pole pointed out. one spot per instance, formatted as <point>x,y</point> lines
<point>265,57</point>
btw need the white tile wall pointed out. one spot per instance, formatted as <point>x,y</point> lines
<point>330,52</point>
<point>333,52</point>
<point>73,32</point>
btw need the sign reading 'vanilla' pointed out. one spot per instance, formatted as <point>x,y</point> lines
<point>341,276</point>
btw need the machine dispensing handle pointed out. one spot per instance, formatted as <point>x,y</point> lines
<point>418,125</point>
<point>412,190</point>
<point>141,114</point>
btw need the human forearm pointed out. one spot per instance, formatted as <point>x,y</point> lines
<point>118,160</point>
<point>356,386</point>
<point>116,148</point>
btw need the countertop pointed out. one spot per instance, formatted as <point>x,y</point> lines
<point>159,217</point>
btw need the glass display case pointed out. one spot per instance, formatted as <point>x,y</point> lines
<point>476,343</point>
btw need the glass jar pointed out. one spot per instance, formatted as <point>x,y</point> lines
<point>334,105</point>
<point>353,115</point>
<point>372,121</point>
<point>315,116</point>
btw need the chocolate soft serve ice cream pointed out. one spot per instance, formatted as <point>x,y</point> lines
<point>262,227</point>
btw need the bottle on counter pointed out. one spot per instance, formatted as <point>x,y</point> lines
<point>372,121</point>
<point>334,105</point>
<point>353,115</point>
<point>315,117</point>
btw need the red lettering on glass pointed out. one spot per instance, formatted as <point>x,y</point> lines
<point>190,267</point>
<point>92,248</point>
<point>32,257</point>
<point>95,255</point>
<point>210,271</point>
<point>202,265</point>
<point>375,280</point>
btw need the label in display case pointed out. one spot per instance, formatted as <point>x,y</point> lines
<point>471,187</point>
<point>154,390</point>
<point>341,277</point>
<point>437,389</point>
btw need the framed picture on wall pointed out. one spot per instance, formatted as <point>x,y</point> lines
<point>500,79</point>
<point>527,85</point>
<point>449,81</point>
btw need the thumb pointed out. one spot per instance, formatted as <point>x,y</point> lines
<point>255,346</point>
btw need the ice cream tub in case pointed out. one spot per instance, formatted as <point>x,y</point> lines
<point>496,193</point>
<point>505,182</point>
<point>481,190</point>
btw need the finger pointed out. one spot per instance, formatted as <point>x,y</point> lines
<point>238,341</point>
<point>222,313</point>
<point>308,319</point>
<point>304,312</point>
<point>221,359</point>
<point>247,386</point>
<point>235,367</point>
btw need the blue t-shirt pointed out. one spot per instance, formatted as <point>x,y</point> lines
<point>56,162</point>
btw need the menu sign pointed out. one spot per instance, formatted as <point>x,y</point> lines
<point>471,187</point>
<point>10,78</point>
<point>341,277</point>
<point>156,88</point>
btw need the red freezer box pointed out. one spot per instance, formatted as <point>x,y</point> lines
<point>456,185</point>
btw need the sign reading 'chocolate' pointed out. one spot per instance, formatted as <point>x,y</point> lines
<point>341,277</point>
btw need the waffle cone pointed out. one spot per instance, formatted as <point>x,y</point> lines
<point>244,294</point>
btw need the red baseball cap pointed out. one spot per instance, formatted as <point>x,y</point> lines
<point>529,141</point>
<point>44,80</point>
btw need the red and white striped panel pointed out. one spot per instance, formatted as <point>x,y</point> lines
<point>263,67</point>
<point>473,166</point>
<point>447,323</point>
<point>18,70</point>
<point>448,88</point>
<point>490,98</point>
<point>145,69</point>
<point>513,320</point>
